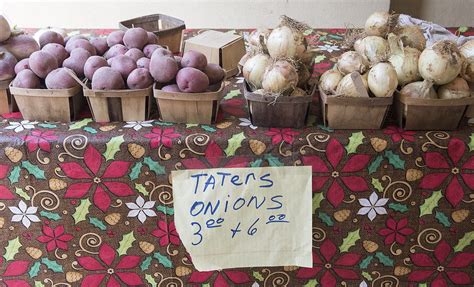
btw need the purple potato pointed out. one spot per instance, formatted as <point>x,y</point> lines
<point>92,64</point>
<point>163,68</point>
<point>192,80</point>
<point>77,60</point>
<point>171,88</point>
<point>135,38</point>
<point>42,63</point>
<point>215,73</point>
<point>152,38</point>
<point>149,49</point>
<point>26,79</point>
<point>135,54</point>
<point>139,78</point>
<point>106,78</point>
<point>60,79</point>
<point>162,52</point>
<point>100,45</point>
<point>194,59</point>
<point>58,51</point>
<point>115,50</point>
<point>22,65</point>
<point>143,63</point>
<point>50,37</point>
<point>124,65</point>
<point>80,43</point>
<point>114,38</point>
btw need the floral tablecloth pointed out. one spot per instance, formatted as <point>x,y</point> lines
<point>88,204</point>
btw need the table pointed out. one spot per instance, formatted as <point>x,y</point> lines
<point>91,204</point>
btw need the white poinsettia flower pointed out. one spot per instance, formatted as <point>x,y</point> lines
<point>372,206</point>
<point>141,209</point>
<point>137,125</point>
<point>329,48</point>
<point>247,123</point>
<point>21,126</point>
<point>24,214</point>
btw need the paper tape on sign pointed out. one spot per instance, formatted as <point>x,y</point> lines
<point>244,217</point>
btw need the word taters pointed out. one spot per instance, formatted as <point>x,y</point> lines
<point>204,181</point>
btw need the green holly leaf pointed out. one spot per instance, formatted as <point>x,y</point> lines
<point>208,128</point>
<point>311,283</point>
<point>159,123</point>
<point>150,280</point>
<point>33,169</point>
<point>365,263</point>
<point>463,29</point>
<point>52,265</point>
<point>325,218</point>
<point>471,142</point>
<point>12,248</point>
<point>22,193</point>
<point>258,276</point>
<point>349,240</point>
<point>232,94</point>
<point>256,163</point>
<point>430,203</point>
<point>135,170</point>
<point>48,126</point>
<point>375,164</point>
<point>464,241</point>
<point>272,160</point>
<point>317,198</point>
<point>355,140</point>
<point>39,284</point>
<point>377,184</point>
<point>423,285</point>
<point>50,215</point>
<point>394,159</point>
<point>328,129</point>
<point>113,146</point>
<point>234,143</point>
<point>14,174</point>
<point>384,259</point>
<point>97,223</point>
<point>80,124</point>
<point>443,219</point>
<point>81,211</point>
<point>125,243</point>
<point>318,59</point>
<point>367,276</point>
<point>154,166</point>
<point>146,263</point>
<point>34,269</point>
<point>398,207</point>
<point>165,210</point>
<point>140,188</point>
<point>163,260</point>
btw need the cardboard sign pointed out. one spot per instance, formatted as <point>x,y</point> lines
<point>244,217</point>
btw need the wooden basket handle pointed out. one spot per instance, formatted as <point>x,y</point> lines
<point>73,75</point>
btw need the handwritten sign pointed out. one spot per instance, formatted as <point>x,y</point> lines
<point>244,217</point>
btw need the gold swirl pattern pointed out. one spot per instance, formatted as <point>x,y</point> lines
<point>432,136</point>
<point>318,137</point>
<point>92,240</point>
<point>400,193</point>
<point>428,236</point>
<point>78,142</point>
<point>49,202</point>
<point>277,279</point>
<point>197,139</point>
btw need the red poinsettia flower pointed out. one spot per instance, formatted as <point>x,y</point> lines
<point>12,271</point>
<point>166,233</point>
<point>162,137</point>
<point>331,267</point>
<point>451,169</point>
<point>39,139</point>
<point>442,266</point>
<point>398,134</point>
<point>5,192</point>
<point>234,107</point>
<point>55,238</point>
<point>396,231</point>
<point>115,274</point>
<point>236,277</point>
<point>281,135</point>
<point>213,158</point>
<point>343,176</point>
<point>96,180</point>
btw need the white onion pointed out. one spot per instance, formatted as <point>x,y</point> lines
<point>280,77</point>
<point>40,32</point>
<point>378,24</point>
<point>351,61</point>
<point>347,88</point>
<point>467,71</point>
<point>382,80</point>
<point>329,80</point>
<point>467,49</point>
<point>456,89</point>
<point>284,42</point>
<point>440,63</point>
<point>254,37</point>
<point>415,90</point>
<point>5,30</point>
<point>374,49</point>
<point>412,36</point>
<point>404,60</point>
<point>254,68</point>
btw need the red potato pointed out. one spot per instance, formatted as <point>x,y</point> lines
<point>93,64</point>
<point>80,43</point>
<point>149,49</point>
<point>75,37</point>
<point>22,65</point>
<point>60,79</point>
<point>115,50</point>
<point>163,68</point>
<point>50,37</point>
<point>7,65</point>
<point>192,80</point>
<point>139,78</point>
<point>26,79</point>
<point>135,54</point>
<point>124,65</point>
<point>194,59</point>
<point>152,38</point>
<point>215,73</point>
<point>42,63</point>
<point>162,52</point>
<point>135,38</point>
<point>100,45</point>
<point>143,63</point>
<point>114,38</point>
<point>21,46</point>
<point>106,78</point>
<point>58,51</point>
<point>171,88</point>
<point>77,60</point>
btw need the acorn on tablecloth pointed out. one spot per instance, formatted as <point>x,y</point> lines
<point>13,154</point>
<point>290,268</point>
<point>342,215</point>
<point>72,276</point>
<point>370,246</point>
<point>378,144</point>
<point>460,215</point>
<point>34,252</point>
<point>413,174</point>
<point>136,150</point>
<point>401,270</point>
<point>2,222</point>
<point>257,146</point>
<point>182,271</point>
<point>223,125</point>
<point>57,184</point>
<point>146,247</point>
<point>107,128</point>
<point>112,218</point>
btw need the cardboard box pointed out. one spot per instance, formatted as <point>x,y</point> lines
<point>224,49</point>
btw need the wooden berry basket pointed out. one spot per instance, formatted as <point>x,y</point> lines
<point>285,112</point>
<point>168,29</point>
<point>62,105</point>
<point>190,108</point>
<point>7,101</point>
<point>430,114</point>
<point>119,105</point>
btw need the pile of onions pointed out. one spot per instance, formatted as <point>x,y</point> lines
<point>347,88</point>
<point>404,60</point>
<point>7,65</point>
<point>374,49</point>
<point>416,90</point>
<point>382,80</point>
<point>411,36</point>
<point>467,50</point>
<point>351,61</point>
<point>440,63</point>
<point>254,69</point>
<point>286,42</point>
<point>21,46</point>
<point>280,77</point>
<point>330,80</point>
<point>5,30</point>
<point>456,89</point>
<point>378,24</point>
